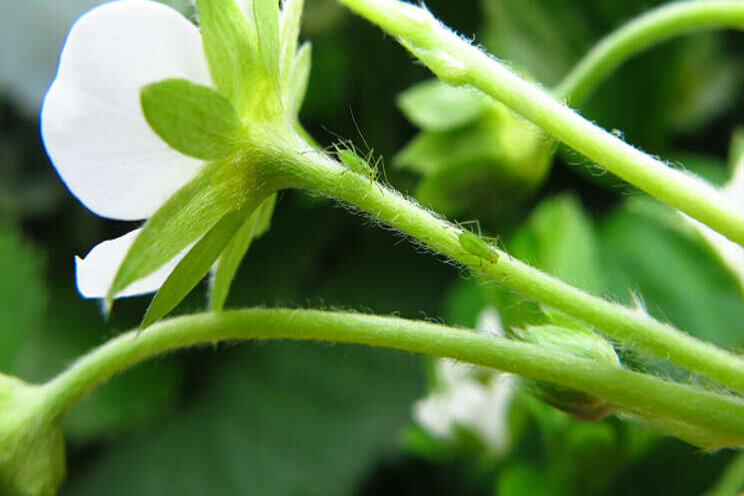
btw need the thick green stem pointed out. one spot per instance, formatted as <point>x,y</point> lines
<point>634,327</point>
<point>668,403</point>
<point>456,61</point>
<point>647,30</point>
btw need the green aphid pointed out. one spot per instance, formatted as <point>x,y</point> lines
<point>475,245</point>
<point>356,163</point>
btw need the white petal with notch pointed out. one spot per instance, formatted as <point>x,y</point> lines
<point>92,123</point>
<point>96,271</point>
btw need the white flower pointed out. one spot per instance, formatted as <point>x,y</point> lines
<point>96,134</point>
<point>143,100</point>
<point>465,400</point>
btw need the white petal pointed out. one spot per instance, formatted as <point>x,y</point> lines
<point>92,123</point>
<point>489,322</point>
<point>96,271</point>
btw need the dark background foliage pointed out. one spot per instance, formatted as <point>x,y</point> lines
<point>298,418</point>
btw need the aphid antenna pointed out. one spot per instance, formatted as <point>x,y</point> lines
<point>359,131</point>
<point>474,222</point>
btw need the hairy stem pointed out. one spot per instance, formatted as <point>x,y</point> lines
<point>456,61</point>
<point>647,30</point>
<point>634,327</point>
<point>668,403</point>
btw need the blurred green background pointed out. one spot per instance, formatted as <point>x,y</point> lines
<point>295,418</point>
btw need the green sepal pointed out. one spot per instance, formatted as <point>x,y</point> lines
<point>32,446</point>
<point>227,266</point>
<point>183,218</point>
<point>230,47</point>
<point>193,119</point>
<point>193,267</point>
<point>490,164</point>
<point>580,342</point>
<point>436,106</point>
<point>299,77</point>
<point>291,19</point>
<point>266,16</point>
<point>264,213</point>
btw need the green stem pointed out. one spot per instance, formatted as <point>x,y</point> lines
<point>668,403</point>
<point>732,480</point>
<point>457,62</point>
<point>634,327</point>
<point>647,30</point>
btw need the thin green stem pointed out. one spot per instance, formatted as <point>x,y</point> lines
<point>632,326</point>
<point>456,61</point>
<point>732,480</point>
<point>641,33</point>
<point>669,404</point>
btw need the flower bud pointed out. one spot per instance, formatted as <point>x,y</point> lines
<point>581,343</point>
<point>474,154</point>
<point>32,449</point>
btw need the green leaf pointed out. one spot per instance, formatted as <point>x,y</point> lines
<point>193,119</point>
<point>291,21</point>
<point>560,239</point>
<point>275,419</point>
<point>266,15</point>
<point>23,298</point>
<point>227,266</point>
<point>264,213</point>
<point>230,47</point>
<point>189,213</point>
<point>526,480</point>
<point>299,78</point>
<point>648,249</point>
<point>489,165</point>
<point>437,106</point>
<point>193,267</point>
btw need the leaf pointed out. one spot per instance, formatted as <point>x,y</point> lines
<point>230,47</point>
<point>194,266</point>
<point>264,213</point>
<point>522,480</point>
<point>227,266</point>
<point>275,419</point>
<point>489,165</point>
<point>544,37</point>
<point>193,119</point>
<point>647,249</point>
<point>23,298</point>
<point>299,78</point>
<point>291,20</point>
<point>189,213</point>
<point>558,238</point>
<point>266,15</point>
<point>436,106</point>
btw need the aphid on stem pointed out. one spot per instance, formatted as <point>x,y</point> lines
<point>349,156</point>
<point>475,245</point>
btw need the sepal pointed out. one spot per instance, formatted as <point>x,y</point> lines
<point>193,119</point>
<point>579,342</point>
<point>32,448</point>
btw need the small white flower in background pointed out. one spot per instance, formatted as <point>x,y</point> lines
<point>464,399</point>
<point>149,117</point>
